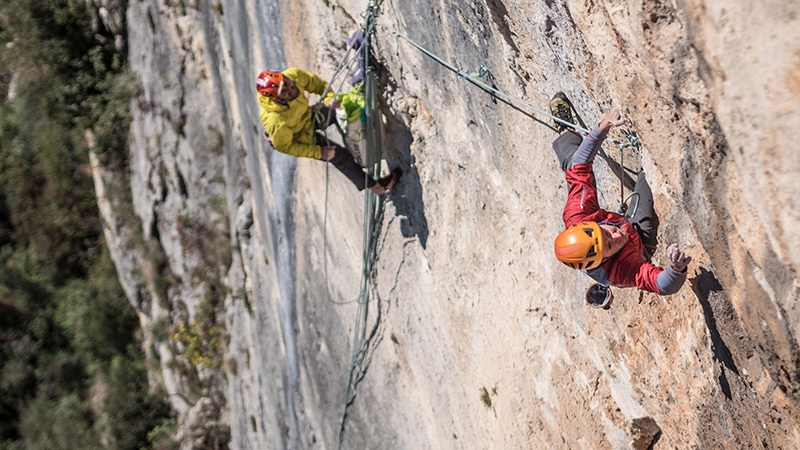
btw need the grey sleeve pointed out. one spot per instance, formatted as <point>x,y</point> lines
<point>669,281</point>
<point>589,147</point>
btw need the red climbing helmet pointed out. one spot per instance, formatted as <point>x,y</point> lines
<point>270,83</point>
<point>580,246</point>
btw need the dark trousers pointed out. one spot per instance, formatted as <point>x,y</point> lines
<point>645,220</point>
<point>343,159</point>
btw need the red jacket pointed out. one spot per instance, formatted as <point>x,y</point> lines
<point>628,267</point>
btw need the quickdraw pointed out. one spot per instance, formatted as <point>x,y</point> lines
<point>633,141</point>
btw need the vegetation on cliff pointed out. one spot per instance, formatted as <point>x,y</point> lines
<point>72,371</point>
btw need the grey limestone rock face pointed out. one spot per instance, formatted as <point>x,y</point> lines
<point>171,241</point>
<point>468,297</point>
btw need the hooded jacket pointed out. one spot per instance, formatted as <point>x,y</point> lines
<point>291,126</point>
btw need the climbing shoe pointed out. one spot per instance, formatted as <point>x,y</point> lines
<point>386,183</point>
<point>561,107</point>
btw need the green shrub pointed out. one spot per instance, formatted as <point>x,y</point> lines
<point>67,323</point>
<point>132,411</point>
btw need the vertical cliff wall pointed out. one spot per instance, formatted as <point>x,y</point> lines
<point>480,338</point>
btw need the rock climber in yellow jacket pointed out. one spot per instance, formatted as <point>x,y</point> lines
<point>294,127</point>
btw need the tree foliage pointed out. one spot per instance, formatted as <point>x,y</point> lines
<point>67,332</point>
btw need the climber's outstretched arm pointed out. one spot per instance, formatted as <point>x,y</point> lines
<point>674,275</point>
<point>592,142</point>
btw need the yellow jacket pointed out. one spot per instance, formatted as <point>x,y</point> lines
<point>291,127</point>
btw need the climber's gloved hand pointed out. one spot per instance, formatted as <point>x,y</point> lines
<point>677,259</point>
<point>334,103</point>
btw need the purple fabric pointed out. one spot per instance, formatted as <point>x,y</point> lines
<point>355,40</point>
<point>357,73</point>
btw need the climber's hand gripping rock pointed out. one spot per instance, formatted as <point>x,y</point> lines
<point>677,259</point>
<point>613,118</point>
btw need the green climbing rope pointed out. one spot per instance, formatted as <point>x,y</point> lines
<point>373,216</point>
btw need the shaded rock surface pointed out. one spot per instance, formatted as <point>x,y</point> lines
<point>469,301</point>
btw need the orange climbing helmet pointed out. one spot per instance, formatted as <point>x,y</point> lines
<point>270,84</point>
<point>580,246</point>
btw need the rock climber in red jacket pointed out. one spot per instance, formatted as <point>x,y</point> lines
<point>600,243</point>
